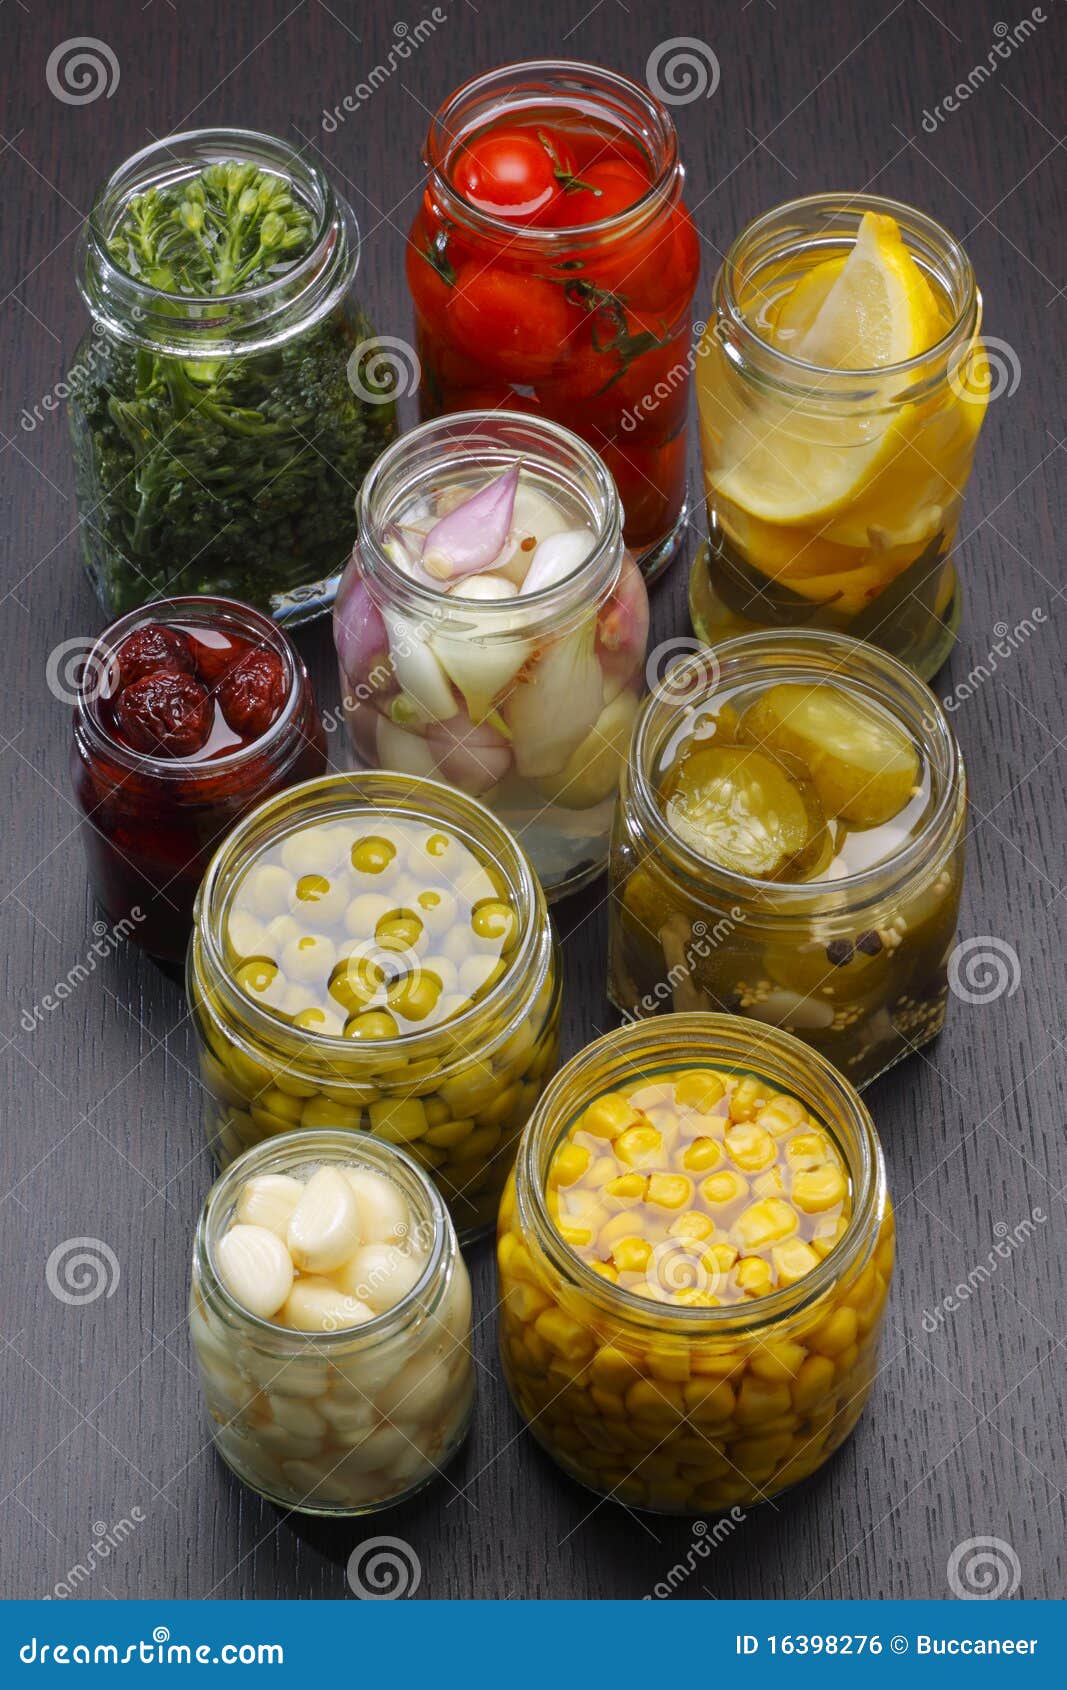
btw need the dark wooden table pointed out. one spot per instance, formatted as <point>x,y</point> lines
<point>965,1435</point>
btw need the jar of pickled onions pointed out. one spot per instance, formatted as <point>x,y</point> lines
<point>552,264</point>
<point>695,1252</point>
<point>491,629</point>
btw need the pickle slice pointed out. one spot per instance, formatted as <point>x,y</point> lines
<point>864,766</point>
<point>739,807</point>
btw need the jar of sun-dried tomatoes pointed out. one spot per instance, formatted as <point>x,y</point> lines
<point>189,712</point>
<point>553,264</point>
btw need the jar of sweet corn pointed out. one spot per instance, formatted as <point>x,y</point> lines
<point>695,1251</point>
<point>789,846</point>
<point>373,952</point>
<point>330,1317</point>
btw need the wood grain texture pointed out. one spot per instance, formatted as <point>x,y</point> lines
<point>965,1433</point>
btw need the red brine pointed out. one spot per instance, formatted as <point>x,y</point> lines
<point>552,264</point>
<point>189,712</point>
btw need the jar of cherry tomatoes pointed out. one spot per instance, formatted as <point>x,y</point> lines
<point>189,712</point>
<point>553,264</point>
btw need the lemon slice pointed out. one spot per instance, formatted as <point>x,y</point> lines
<point>879,310</point>
<point>790,463</point>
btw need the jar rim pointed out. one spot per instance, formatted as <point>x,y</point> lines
<point>330,1145</point>
<point>309,287</point>
<point>189,607</point>
<point>419,797</point>
<point>596,573</point>
<point>698,1038</point>
<point>550,78</point>
<point>882,677</point>
<point>848,384</point>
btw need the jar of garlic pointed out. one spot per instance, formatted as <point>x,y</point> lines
<point>330,1317</point>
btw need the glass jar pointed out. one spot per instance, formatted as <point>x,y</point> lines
<point>531,703</point>
<point>833,495</point>
<point>149,823</point>
<point>227,410</point>
<point>456,1094</point>
<point>692,1410</point>
<point>855,965</point>
<point>349,1420</point>
<point>587,323</point>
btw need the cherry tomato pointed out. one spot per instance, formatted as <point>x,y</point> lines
<point>507,172</point>
<point>510,324</point>
<point>604,190</point>
<point>651,483</point>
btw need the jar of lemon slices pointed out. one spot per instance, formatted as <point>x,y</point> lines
<point>695,1251</point>
<point>841,385</point>
<point>372,953</point>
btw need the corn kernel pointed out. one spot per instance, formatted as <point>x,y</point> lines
<point>605,1271</point>
<point>567,1337</point>
<point>701,1155</point>
<point>721,1189</point>
<point>577,1236</point>
<point>764,1223</point>
<point>754,1276</point>
<point>630,1187</point>
<point>835,1333</point>
<point>814,1379</point>
<point>778,1361</point>
<point>694,1225</point>
<point>749,1147</point>
<point>748,1098</point>
<point>719,1259</point>
<point>609,1116</point>
<point>632,1255</point>
<point>669,1191</point>
<point>816,1189</point>
<point>781,1115</point>
<point>626,1224</point>
<point>699,1090</point>
<point>659,1401</point>
<point>792,1260</point>
<point>612,1369</point>
<point>708,1401</point>
<point>526,1302</point>
<point>638,1145</point>
<point>569,1163</point>
<point>760,1400</point>
<point>769,1184</point>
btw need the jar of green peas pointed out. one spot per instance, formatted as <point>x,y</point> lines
<point>373,952</point>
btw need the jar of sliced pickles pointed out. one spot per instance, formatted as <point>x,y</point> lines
<point>695,1251</point>
<point>373,953</point>
<point>330,1318</point>
<point>491,629</point>
<point>789,846</point>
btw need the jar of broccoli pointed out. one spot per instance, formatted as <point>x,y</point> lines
<point>227,401</point>
<point>373,953</point>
